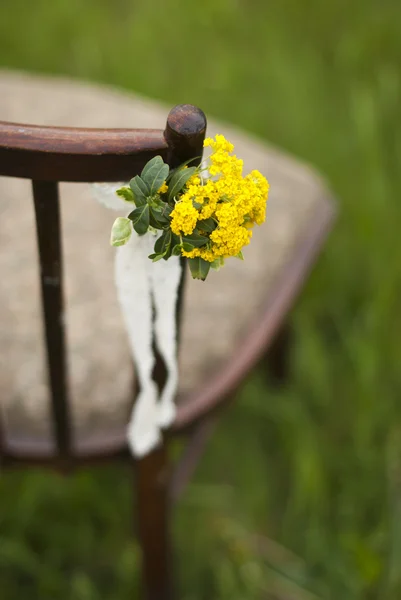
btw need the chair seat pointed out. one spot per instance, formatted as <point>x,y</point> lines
<point>219,315</point>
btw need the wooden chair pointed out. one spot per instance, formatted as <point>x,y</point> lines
<point>49,155</point>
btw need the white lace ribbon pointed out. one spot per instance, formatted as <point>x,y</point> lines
<point>141,285</point>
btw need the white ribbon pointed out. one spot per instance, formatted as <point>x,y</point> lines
<point>141,285</point>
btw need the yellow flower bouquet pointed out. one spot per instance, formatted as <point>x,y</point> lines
<point>205,213</point>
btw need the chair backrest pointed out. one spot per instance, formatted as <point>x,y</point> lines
<point>48,155</point>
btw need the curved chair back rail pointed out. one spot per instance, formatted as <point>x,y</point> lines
<point>47,155</point>
<point>87,155</point>
<point>68,154</point>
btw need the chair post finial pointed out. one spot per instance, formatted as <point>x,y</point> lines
<point>184,133</point>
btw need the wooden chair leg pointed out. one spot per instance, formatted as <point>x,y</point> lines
<point>152,487</point>
<point>278,355</point>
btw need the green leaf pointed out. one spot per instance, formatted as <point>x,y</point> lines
<point>187,247</point>
<point>158,244</point>
<point>178,180</point>
<point>199,268</point>
<point>166,212</point>
<point>157,203</point>
<point>181,166</point>
<point>163,244</point>
<point>156,160</point>
<point>154,222</point>
<point>126,194</point>
<point>207,225</point>
<point>195,239</point>
<point>176,251</point>
<point>155,257</point>
<point>217,263</point>
<point>121,231</point>
<point>162,213</point>
<point>240,255</point>
<point>140,219</point>
<point>155,174</point>
<point>140,190</point>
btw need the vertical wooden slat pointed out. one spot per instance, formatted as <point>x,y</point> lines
<point>185,132</point>
<point>153,511</point>
<point>47,212</point>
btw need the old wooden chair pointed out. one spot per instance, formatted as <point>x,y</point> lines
<point>87,422</point>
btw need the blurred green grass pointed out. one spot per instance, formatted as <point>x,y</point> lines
<point>320,462</point>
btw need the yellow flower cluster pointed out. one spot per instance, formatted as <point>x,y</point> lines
<point>163,188</point>
<point>234,202</point>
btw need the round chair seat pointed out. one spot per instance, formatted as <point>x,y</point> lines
<point>220,316</point>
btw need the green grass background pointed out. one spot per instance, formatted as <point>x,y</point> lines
<point>299,494</point>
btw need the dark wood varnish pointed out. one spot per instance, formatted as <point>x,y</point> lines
<point>153,523</point>
<point>68,154</point>
<point>48,228</point>
<point>184,133</point>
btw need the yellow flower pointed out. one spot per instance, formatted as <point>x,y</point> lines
<point>219,144</point>
<point>163,189</point>
<point>234,202</point>
<point>194,180</point>
<point>184,217</point>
